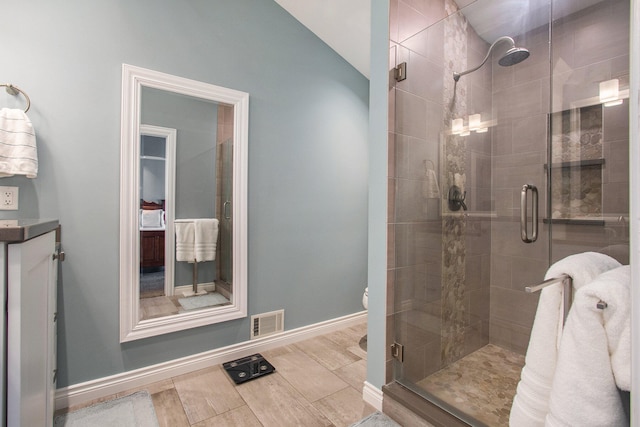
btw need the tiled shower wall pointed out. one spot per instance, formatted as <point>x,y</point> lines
<point>448,296</point>
<point>438,260</point>
<point>588,47</point>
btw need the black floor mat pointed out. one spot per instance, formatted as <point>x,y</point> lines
<point>248,368</point>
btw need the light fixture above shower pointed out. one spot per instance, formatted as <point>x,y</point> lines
<point>609,93</point>
<point>513,56</point>
<point>475,125</point>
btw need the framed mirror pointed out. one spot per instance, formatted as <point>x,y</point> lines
<point>183,203</point>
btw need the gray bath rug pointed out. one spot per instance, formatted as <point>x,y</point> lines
<point>152,281</point>
<point>135,410</point>
<point>377,419</point>
<point>200,301</point>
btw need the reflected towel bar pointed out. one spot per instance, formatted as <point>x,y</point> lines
<point>566,280</point>
<point>195,263</point>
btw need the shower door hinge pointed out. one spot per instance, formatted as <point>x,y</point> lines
<point>400,72</point>
<point>397,351</point>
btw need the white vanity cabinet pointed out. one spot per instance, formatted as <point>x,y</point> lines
<point>30,264</point>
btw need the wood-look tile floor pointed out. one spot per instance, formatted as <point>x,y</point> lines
<point>318,382</point>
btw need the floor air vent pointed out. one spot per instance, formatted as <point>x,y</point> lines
<point>267,324</point>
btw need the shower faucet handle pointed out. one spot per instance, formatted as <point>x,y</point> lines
<point>456,198</point>
<point>461,201</point>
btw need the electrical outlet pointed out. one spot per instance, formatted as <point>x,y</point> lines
<point>9,198</point>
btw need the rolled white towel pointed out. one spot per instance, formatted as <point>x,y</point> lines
<point>530,405</point>
<point>595,356</point>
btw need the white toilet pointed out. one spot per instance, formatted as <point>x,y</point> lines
<point>365,304</point>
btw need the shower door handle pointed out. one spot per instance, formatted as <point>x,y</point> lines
<point>225,209</point>
<point>524,234</point>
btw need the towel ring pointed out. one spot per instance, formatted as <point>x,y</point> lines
<point>433,166</point>
<point>14,90</point>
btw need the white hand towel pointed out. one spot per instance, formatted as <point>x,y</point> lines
<point>594,356</point>
<point>18,154</point>
<point>185,241</point>
<point>206,239</point>
<point>530,405</point>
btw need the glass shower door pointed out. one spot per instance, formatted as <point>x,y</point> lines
<point>462,149</point>
<point>461,152</point>
<point>589,131</point>
<point>226,220</point>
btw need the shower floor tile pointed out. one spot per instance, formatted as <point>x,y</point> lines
<point>481,384</point>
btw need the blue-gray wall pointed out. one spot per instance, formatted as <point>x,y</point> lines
<point>307,158</point>
<point>378,176</point>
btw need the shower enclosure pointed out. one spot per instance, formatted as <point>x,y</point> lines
<point>501,162</point>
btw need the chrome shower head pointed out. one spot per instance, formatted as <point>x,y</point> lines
<point>511,57</point>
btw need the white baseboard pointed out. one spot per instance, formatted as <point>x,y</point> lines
<point>102,387</point>
<point>209,287</point>
<point>372,395</point>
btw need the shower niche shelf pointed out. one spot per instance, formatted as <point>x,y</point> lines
<point>575,221</point>
<point>576,164</point>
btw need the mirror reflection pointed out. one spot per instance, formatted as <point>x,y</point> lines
<point>157,160</point>
<point>195,272</point>
<point>183,203</point>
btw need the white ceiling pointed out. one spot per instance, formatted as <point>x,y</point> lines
<point>494,18</point>
<point>344,25</point>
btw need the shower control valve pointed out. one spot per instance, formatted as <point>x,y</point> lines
<point>456,198</point>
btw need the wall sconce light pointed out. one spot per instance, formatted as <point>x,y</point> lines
<point>609,93</point>
<point>475,125</point>
<point>474,122</point>
<point>457,126</point>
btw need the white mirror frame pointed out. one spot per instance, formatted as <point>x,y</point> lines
<point>133,79</point>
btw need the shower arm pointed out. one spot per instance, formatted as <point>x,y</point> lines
<point>456,76</point>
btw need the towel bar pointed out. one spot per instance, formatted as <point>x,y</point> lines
<point>567,293</point>
<point>561,279</point>
<point>548,282</point>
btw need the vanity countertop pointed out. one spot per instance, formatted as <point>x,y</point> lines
<point>19,230</point>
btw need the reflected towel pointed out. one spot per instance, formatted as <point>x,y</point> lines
<point>531,403</point>
<point>185,241</point>
<point>595,356</point>
<point>206,238</point>
<point>18,154</point>
<point>430,187</point>
<point>151,219</point>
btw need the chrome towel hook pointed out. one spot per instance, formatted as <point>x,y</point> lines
<point>14,90</point>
